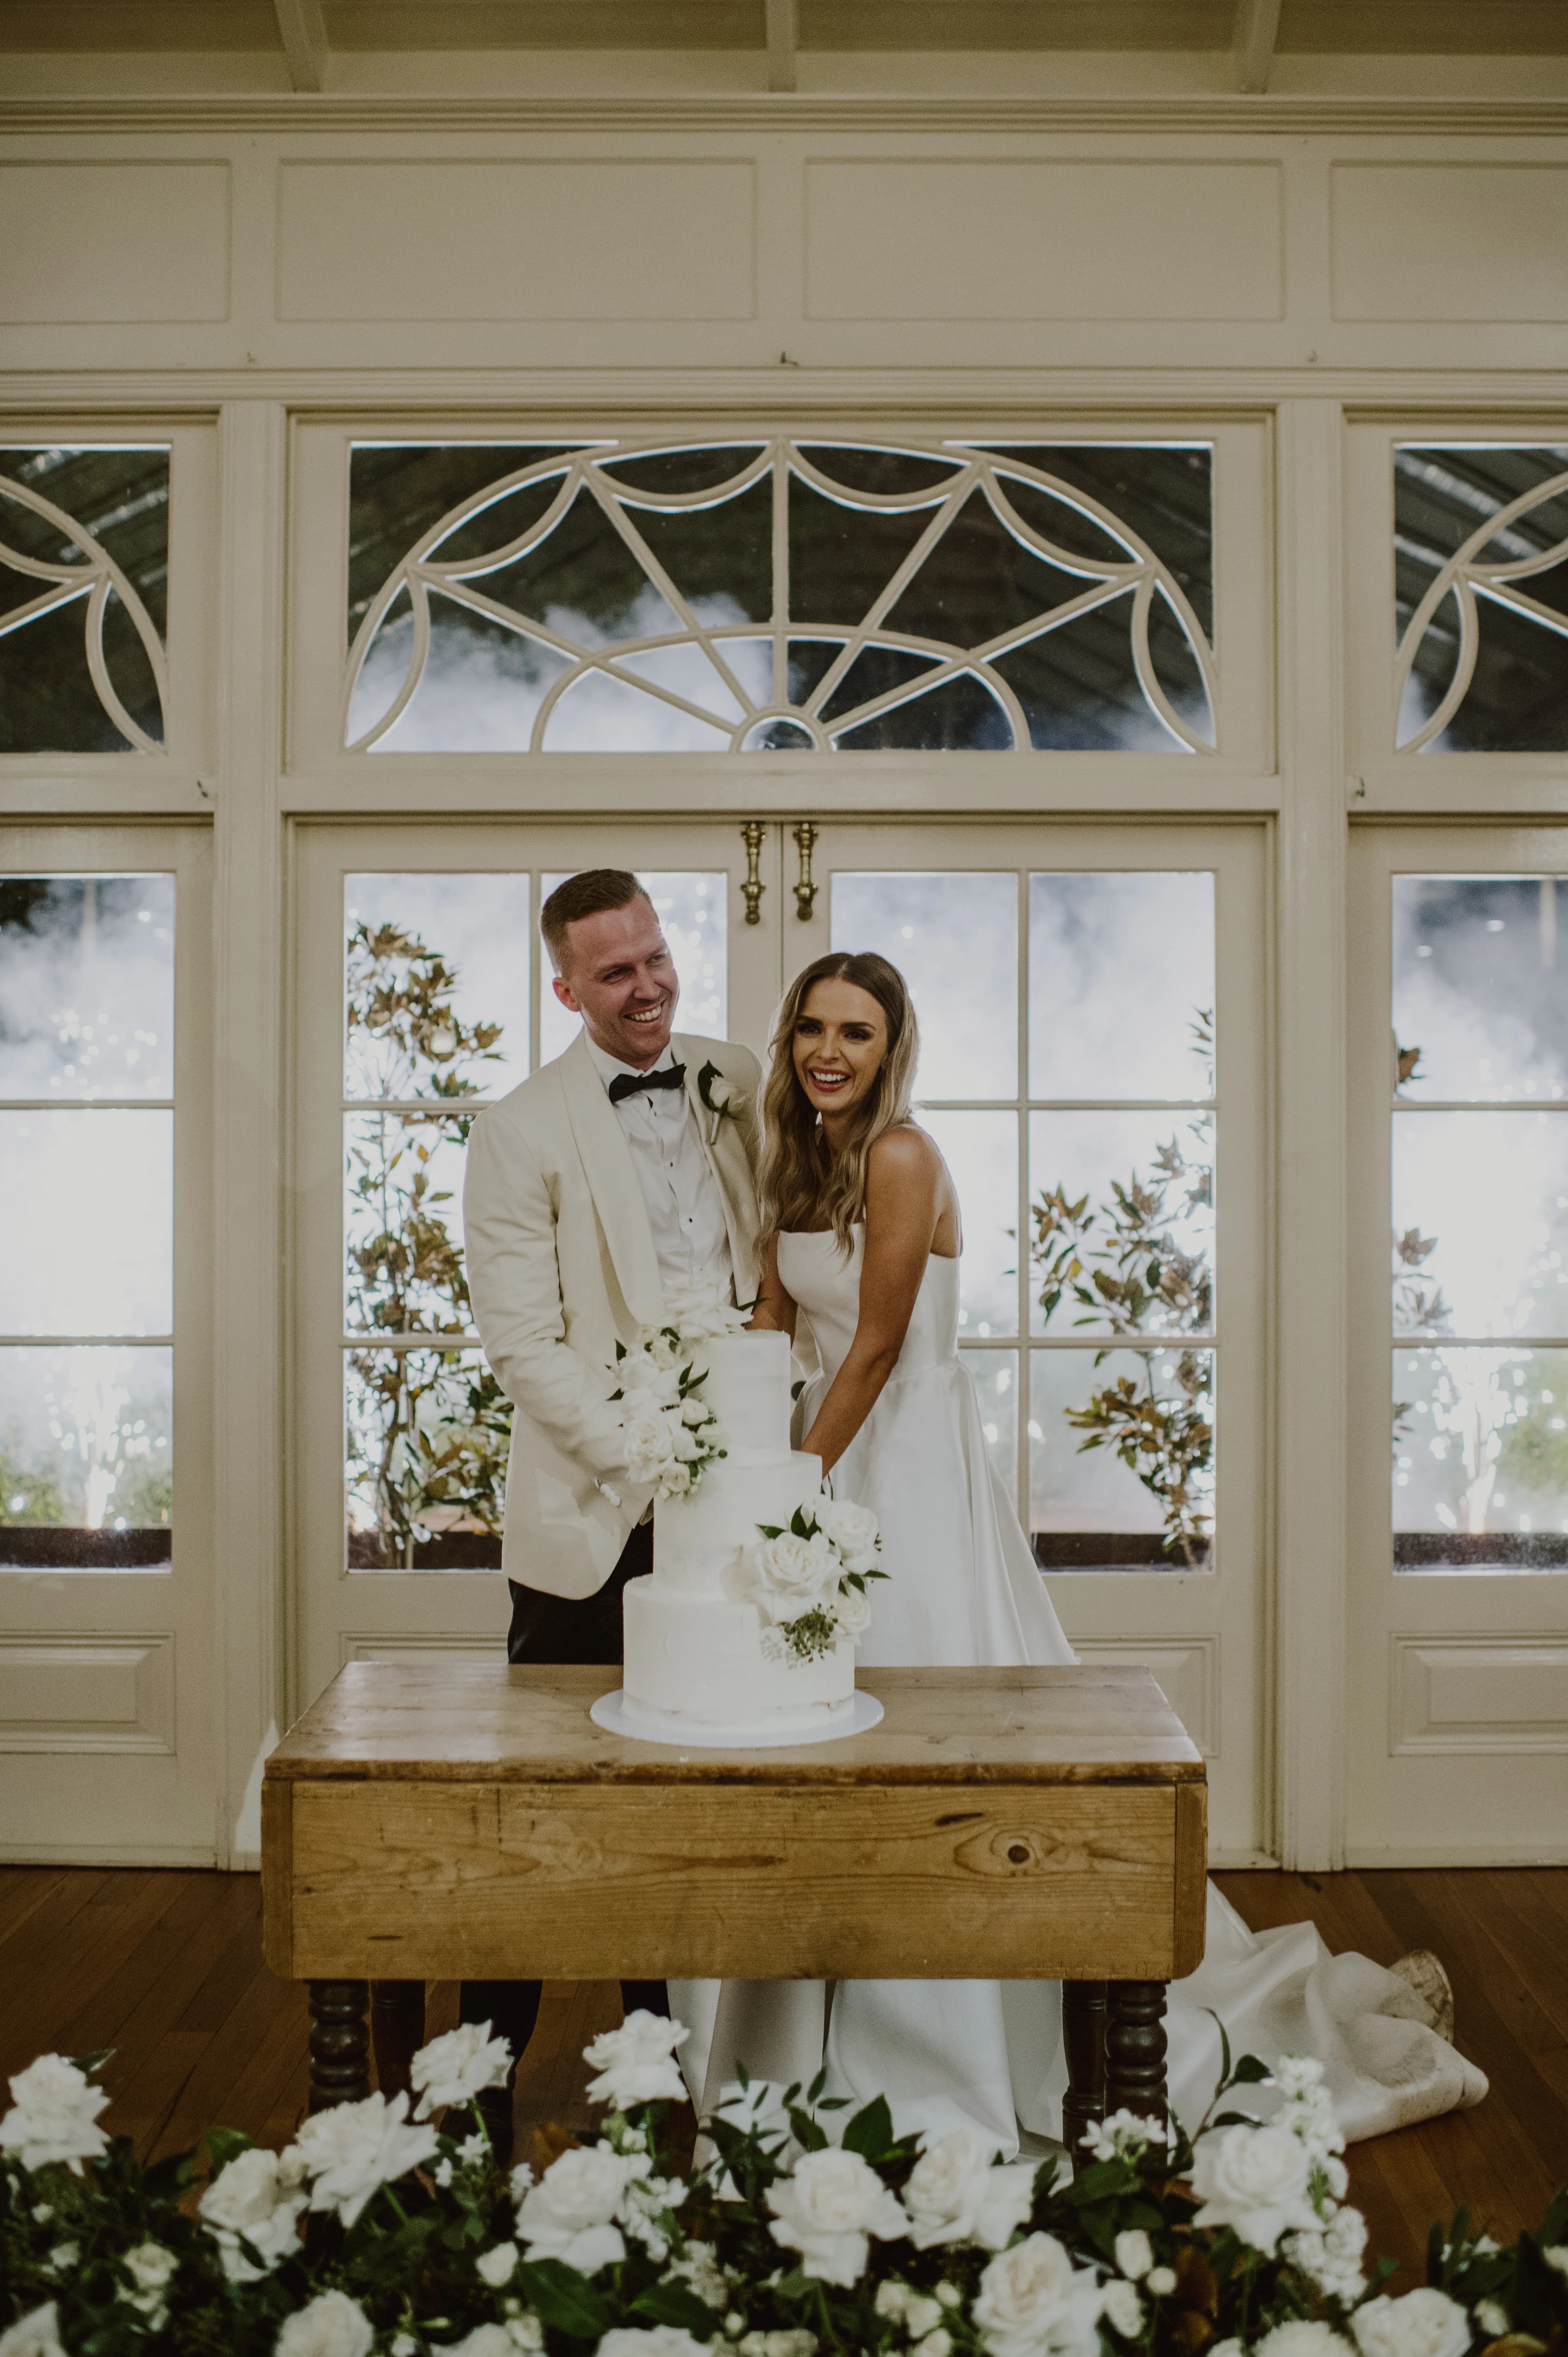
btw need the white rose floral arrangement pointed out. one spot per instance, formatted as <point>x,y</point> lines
<point>670,1432</point>
<point>384,2231</point>
<point>809,1582</point>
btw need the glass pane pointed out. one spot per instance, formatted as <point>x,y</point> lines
<point>476,574</point>
<point>1121,1222</point>
<point>437,985</point>
<point>1480,1460</point>
<point>1480,1216</point>
<point>1480,1000</point>
<point>980,1149</point>
<point>954,937</point>
<point>427,1438</point>
<point>1122,1460</point>
<point>995,1374</point>
<point>404,1181</point>
<point>92,1193</point>
<point>1514,586</point>
<point>97,519</point>
<point>86,986</point>
<point>86,1458</point>
<point>1120,985</point>
<point>692,905</point>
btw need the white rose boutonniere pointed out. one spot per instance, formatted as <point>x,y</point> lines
<point>722,1097</point>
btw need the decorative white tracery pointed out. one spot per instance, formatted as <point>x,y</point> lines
<point>1140,571</point>
<point>92,579</point>
<point>1466,579</point>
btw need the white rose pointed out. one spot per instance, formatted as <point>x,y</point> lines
<point>352,2149</point>
<point>1122,2309</point>
<point>852,1529</point>
<point>825,2209</point>
<point>55,2115</point>
<point>955,2195</point>
<point>1301,2338</point>
<point>920,2316</point>
<point>497,2267</point>
<point>1254,2180</point>
<point>675,1480</point>
<point>637,2063</point>
<point>648,1443</point>
<point>1556,2256</point>
<point>1160,2281</point>
<point>1492,2318</point>
<point>793,1573</point>
<point>695,1411</point>
<point>485,2341</point>
<point>936,2344</point>
<point>1134,2252</point>
<point>1033,2302</point>
<point>257,2196</point>
<point>650,2340</point>
<point>456,2067</point>
<point>569,2215</point>
<point>660,1347</point>
<point>150,2265</point>
<point>332,2326</point>
<point>852,1607</point>
<point>1425,2323</point>
<point>34,2335</point>
<point>683,1441</point>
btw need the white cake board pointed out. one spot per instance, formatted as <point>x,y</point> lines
<point>861,1712</point>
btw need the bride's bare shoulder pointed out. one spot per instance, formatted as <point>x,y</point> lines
<point>906,1157</point>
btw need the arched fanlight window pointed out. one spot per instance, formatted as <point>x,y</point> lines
<point>780,595</point>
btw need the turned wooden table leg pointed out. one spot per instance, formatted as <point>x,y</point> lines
<point>397,2032</point>
<point>1135,2049</point>
<point>1084,2035</point>
<point>340,2043</point>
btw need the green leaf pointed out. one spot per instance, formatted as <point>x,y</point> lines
<point>871,2131</point>
<point>563,2298</point>
<point>1250,2072</point>
<point>676,2303</point>
<point>807,2131</point>
<point>88,2063</point>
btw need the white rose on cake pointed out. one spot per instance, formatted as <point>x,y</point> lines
<point>792,1574</point>
<point>852,1530</point>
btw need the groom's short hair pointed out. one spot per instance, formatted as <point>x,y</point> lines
<point>588,895</point>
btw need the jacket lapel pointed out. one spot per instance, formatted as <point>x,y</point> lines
<point>732,1173</point>
<point>612,1182</point>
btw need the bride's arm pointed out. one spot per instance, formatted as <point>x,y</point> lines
<point>903,1203</point>
<point>776,1309</point>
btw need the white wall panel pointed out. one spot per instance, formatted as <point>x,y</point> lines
<point>87,1693</point>
<point>658,240</point>
<point>962,239</point>
<point>115,242</point>
<point>1456,241</point>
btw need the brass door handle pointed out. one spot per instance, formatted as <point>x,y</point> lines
<point>754,835</point>
<point>805,890</point>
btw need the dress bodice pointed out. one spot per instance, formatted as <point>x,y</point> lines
<point>815,1272</point>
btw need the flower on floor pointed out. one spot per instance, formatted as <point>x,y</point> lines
<point>827,2208</point>
<point>457,2067</point>
<point>54,2116</point>
<point>636,2063</point>
<point>351,2150</point>
<point>811,2229</point>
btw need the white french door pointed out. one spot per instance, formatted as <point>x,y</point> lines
<point>1091,1001</point>
<point>1458,1629</point>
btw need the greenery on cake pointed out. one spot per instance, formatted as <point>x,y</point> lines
<point>386,2232</point>
<point>672,1432</point>
<point>809,1581</point>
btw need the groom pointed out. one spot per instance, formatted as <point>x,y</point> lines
<point>605,1179</point>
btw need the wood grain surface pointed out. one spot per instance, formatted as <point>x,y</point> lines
<point>398,1881</point>
<point>433,1721</point>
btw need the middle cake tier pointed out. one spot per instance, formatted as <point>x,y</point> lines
<point>697,1539</point>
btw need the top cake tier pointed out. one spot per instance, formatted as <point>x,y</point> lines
<point>747,1388</point>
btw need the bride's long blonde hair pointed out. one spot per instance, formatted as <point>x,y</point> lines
<point>801,1183</point>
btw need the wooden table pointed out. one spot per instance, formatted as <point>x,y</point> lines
<point>424,1823</point>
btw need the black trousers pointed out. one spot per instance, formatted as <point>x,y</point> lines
<point>564,1629</point>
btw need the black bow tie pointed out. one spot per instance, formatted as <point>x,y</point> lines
<point>631,1084</point>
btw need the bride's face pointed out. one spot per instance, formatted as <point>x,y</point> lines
<point>840,1046</point>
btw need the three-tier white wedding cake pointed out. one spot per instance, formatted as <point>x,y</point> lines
<point>735,1629</point>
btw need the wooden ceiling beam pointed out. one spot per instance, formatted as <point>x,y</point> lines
<point>304,31</point>
<point>781,37</point>
<point>1257,31</point>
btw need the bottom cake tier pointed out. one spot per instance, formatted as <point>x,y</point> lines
<point>708,1662</point>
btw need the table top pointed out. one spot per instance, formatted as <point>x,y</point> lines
<point>475,1721</point>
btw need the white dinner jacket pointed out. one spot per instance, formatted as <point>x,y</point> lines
<point>560,1266</point>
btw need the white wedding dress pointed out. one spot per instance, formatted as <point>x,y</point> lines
<point>964,1587</point>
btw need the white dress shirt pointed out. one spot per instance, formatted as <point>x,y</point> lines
<point>686,1208</point>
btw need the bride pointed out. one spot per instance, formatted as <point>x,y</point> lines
<point>864,1238</point>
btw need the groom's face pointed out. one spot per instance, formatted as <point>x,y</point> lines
<point>619,976</point>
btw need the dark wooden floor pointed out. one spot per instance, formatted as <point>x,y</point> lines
<point>165,1967</point>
